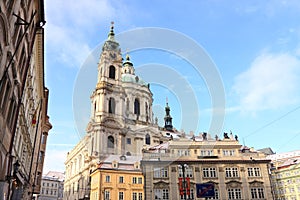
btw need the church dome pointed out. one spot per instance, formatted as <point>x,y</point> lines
<point>130,78</point>
<point>128,75</point>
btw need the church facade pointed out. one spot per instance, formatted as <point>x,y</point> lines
<point>121,120</point>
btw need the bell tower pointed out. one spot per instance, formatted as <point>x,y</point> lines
<point>107,100</point>
<point>121,105</point>
<point>110,64</point>
<point>107,97</point>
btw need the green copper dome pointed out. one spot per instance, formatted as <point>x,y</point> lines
<point>129,78</point>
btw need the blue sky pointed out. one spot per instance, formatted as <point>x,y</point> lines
<point>255,46</point>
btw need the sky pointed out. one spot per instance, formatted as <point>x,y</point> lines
<point>249,55</point>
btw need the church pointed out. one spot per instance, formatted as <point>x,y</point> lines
<point>126,154</point>
<point>121,121</point>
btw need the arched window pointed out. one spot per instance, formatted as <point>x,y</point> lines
<point>110,142</point>
<point>147,139</point>
<point>111,105</point>
<point>136,107</point>
<point>112,72</point>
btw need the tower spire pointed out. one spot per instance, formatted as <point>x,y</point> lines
<point>111,44</point>
<point>168,118</point>
<point>111,34</point>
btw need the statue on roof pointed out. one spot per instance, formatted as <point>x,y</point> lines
<point>226,135</point>
<point>236,138</point>
<point>217,137</point>
<point>204,136</point>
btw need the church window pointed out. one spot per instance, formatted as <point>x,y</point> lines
<point>111,105</point>
<point>136,107</point>
<point>110,142</point>
<point>128,141</point>
<point>112,72</point>
<point>147,139</point>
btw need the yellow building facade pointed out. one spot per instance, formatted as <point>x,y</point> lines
<point>285,175</point>
<point>119,178</point>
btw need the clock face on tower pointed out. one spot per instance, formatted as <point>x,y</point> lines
<point>112,55</point>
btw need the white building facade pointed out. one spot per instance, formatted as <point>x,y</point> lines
<point>52,186</point>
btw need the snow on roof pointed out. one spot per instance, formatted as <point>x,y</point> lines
<point>55,174</point>
<point>119,159</point>
<point>123,162</point>
<point>286,155</point>
<point>160,146</point>
<point>289,162</point>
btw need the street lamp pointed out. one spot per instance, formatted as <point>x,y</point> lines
<point>183,166</point>
<point>16,167</point>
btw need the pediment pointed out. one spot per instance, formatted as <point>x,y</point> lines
<point>160,184</point>
<point>212,182</point>
<point>145,130</point>
<point>111,123</point>
<point>233,184</point>
<point>256,183</point>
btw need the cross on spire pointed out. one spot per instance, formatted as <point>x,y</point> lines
<point>111,32</point>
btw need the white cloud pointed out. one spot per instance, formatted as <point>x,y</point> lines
<point>70,25</point>
<point>79,14</point>
<point>67,47</point>
<point>271,82</point>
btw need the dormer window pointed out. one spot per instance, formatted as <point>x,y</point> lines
<point>137,166</point>
<point>123,157</point>
<point>112,72</point>
<point>128,153</point>
<point>114,164</point>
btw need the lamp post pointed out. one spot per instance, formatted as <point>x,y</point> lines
<point>16,167</point>
<point>183,167</point>
<point>14,180</point>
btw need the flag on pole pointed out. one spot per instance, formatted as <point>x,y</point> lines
<point>33,120</point>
